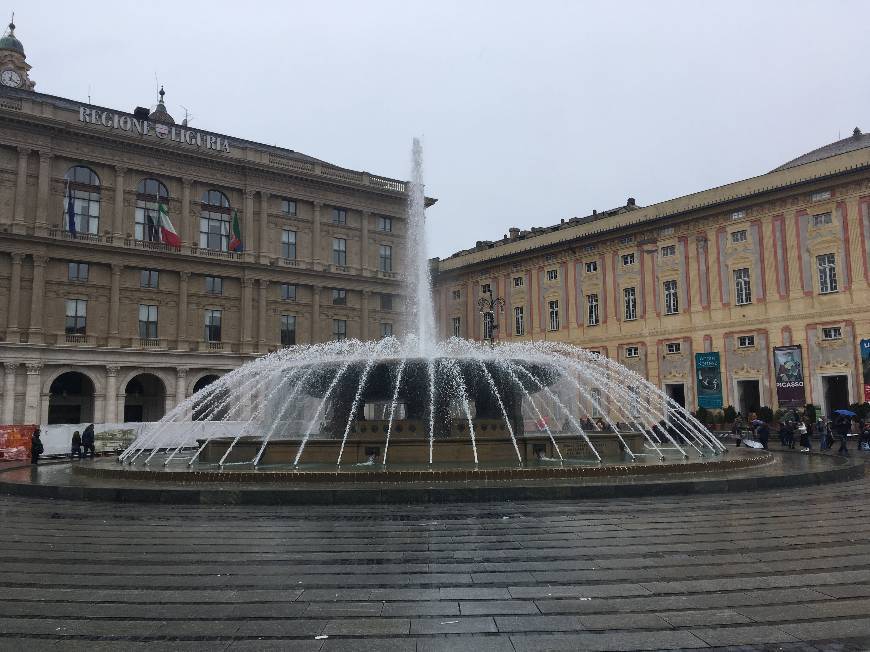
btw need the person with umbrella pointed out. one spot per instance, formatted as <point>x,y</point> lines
<point>762,430</point>
<point>843,426</point>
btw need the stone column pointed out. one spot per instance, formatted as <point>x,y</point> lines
<point>9,392</point>
<point>115,306</point>
<point>186,228</point>
<point>180,385</point>
<point>364,315</point>
<point>263,241</point>
<point>364,242</point>
<point>182,310</point>
<point>43,192</point>
<point>111,393</point>
<point>248,224</point>
<point>263,330</point>
<point>315,314</point>
<point>247,289</point>
<point>32,393</point>
<point>14,299</point>
<point>315,235</point>
<point>21,187</point>
<point>116,226</point>
<point>37,301</point>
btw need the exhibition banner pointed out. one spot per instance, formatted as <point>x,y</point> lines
<point>708,374</point>
<point>788,366</point>
<point>15,442</point>
<point>865,367</point>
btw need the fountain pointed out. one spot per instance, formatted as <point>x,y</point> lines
<point>417,404</point>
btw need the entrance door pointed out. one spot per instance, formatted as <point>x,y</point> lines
<point>677,392</point>
<point>748,396</point>
<point>836,389</point>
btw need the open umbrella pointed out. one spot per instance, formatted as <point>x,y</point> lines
<point>752,443</point>
<point>757,422</point>
<point>845,413</point>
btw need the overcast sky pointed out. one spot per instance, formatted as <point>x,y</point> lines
<point>529,111</point>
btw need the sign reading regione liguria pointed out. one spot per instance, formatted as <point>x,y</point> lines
<point>146,128</point>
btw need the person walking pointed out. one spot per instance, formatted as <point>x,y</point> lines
<point>843,427</point>
<point>763,432</point>
<point>88,441</point>
<point>76,447</point>
<point>804,433</point>
<point>36,447</point>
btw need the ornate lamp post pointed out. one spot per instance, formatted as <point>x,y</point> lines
<point>488,307</point>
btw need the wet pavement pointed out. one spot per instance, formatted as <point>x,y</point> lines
<point>764,570</point>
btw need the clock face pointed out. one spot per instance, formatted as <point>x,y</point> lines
<point>10,78</point>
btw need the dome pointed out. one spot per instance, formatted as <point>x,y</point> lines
<point>9,42</point>
<point>159,112</point>
<point>856,141</point>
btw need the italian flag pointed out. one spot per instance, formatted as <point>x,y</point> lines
<point>236,234</point>
<point>168,234</point>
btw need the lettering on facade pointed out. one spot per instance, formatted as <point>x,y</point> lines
<point>147,128</point>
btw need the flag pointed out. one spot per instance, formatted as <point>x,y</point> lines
<point>236,234</point>
<point>70,211</point>
<point>168,234</point>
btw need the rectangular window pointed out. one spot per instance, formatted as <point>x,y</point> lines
<point>78,271</point>
<point>742,286</point>
<point>486,288</point>
<point>339,297</point>
<point>821,219</point>
<point>827,265</point>
<point>457,294</point>
<point>552,274</point>
<point>674,347</point>
<point>456,323</point>
<point>672,302</point>
<point>76,316</point>
<point>288,244</point>
<point>339,251</point>
<point>339,216</point>
<point>746,341</point>
<point>339,329</point>
<point>386,329</point>
<point>665,232</point>
<point>149,278</point>
<point>385,223</point>
<point>592,310</point>
<point>592,267</point>
<point>595,394</point>
<point>632,352</point>
<point>288,207</point>
<point>147,322</point>
<point>626,239</point>
<point>213,325</point>
<point>630,298</point>
<point>519,281</point>
<point>588,248</point>
<point>832,333</point>
<point>288,291</point>
<point>554,315</point>
<point>488,326</point>
<point>519,321</point>
<point>386,258</point>
<point>627,259</point>
<point>738,215</point>
<point>386,302</point>
<point>214,285</point>
<point>669,250</point>
<point>821,195</point>
<point>214,231</point>
<point>738,236</point>
<point>288,330</point>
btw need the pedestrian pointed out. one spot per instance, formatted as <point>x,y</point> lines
<point>763,432</point>
<point>36,447</point>
<point>88,441</point>
<point>843,427</point>
<point>865,436</point>
<point>76,448</point>
<point>804,433</point>
<point>786,434</point>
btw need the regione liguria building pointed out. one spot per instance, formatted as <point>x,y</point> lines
<point>140,258</point>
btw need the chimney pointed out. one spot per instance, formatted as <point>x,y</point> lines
<point>630,202</point>
<point>514,232</point>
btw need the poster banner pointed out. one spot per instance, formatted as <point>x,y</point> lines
<point>865,367</point>
<point>787,362</point>
<point>15,442</point>
<point>708,374</point>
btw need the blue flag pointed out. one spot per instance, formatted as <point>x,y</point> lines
<point>71,212</point>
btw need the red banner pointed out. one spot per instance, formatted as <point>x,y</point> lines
<point>15,442</point>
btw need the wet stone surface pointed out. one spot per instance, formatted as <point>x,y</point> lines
<point>766,570</point>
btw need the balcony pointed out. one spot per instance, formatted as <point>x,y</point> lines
<point>148,343</point>
<point>76,339</point>
<point>213,347</point>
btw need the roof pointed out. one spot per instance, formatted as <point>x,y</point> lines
<point>9,42</point>
<point>857,140</point>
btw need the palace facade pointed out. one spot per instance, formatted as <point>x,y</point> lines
<point>775,261</point>
<point>105,316</point>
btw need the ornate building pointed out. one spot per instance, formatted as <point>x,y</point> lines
<point>778,260</point>
<point>141,258</point>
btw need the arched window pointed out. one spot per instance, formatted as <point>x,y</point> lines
<point>149,194</point>
<point>83,185</point>
<point>214,221</point>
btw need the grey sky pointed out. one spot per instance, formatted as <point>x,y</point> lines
<point>529,111</point>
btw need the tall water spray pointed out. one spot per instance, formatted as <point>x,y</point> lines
<point>421,317</point>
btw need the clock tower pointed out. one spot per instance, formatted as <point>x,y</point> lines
<point>13,66</point>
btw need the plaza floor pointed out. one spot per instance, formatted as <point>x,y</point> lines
<point>766,570</point>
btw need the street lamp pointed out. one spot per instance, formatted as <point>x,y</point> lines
<point>488,307</point>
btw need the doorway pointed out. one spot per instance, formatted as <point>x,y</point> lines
<point>71,399</point>
<point>836,391</point>
<point>677,393</point>
<point>748,396</point>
